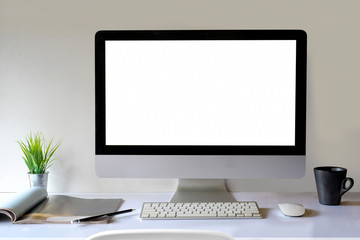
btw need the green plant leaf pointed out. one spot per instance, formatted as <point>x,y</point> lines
<point>37,155</point>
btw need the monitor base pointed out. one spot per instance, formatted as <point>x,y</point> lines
<point>202,190</point>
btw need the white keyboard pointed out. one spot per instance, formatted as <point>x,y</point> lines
<point>203,210</point>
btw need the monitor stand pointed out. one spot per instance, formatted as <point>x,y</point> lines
<point>202,190</point>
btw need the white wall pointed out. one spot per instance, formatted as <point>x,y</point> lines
<point>47,79</point>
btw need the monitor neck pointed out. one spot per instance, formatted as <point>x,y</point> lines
<point>202,190</point>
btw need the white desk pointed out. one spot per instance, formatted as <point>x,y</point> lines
<point>319,221</point>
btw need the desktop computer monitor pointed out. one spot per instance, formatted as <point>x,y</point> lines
<point>200,104</point>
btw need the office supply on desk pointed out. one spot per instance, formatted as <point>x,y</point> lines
<point>105,215</point>
<point>160,234</point>
<point>331,184</point>
<point>292,209</point>
<point>35,206</point>
<point>204,210</point>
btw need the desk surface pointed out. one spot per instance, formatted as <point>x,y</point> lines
<point>319,221</point>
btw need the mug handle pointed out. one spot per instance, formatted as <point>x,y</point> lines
<point>344,189</point>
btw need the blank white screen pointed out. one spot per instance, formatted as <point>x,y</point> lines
<point>232,92</point>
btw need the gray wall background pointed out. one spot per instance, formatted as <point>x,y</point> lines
<point>47,80</point>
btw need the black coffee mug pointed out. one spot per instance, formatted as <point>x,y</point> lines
<point>331,184</point>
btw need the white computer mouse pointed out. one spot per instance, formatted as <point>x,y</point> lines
<point>292,209</point>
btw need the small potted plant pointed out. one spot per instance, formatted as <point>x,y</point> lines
<point>38,158</point>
